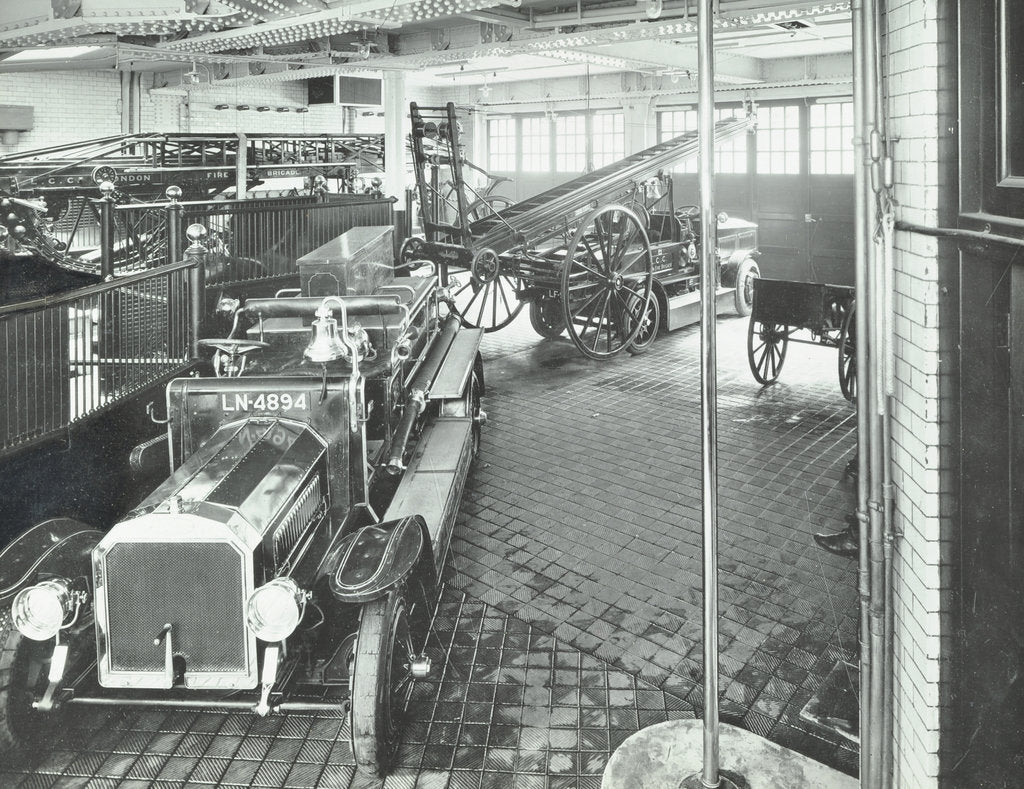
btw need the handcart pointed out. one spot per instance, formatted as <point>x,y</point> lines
<point>784,310</point>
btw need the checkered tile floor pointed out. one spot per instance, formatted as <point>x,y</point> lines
<point>571,614</point>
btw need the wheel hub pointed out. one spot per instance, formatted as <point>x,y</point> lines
<point>485,268</point>
<point>616,282</point>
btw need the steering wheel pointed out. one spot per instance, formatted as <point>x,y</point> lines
<point>228,352</point>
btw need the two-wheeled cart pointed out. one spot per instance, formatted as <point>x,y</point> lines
<point>606,257</point>
<point>805,312</point>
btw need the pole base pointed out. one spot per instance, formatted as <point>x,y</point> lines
<point>727,779</point>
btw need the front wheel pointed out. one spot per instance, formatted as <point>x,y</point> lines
<point>744,293</point>
<point>766,350</point>
<point>650,321</point>
<point>24,670</point>
<point>381,681</point>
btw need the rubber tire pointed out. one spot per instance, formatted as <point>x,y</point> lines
<point>376,729</point>
<point>645,339</point>
<point>747,270</point>
<point>546,318</point>
<point>21,727</point>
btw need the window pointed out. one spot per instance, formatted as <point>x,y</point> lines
<point>831,138</point>
<point>536,139</point>
<point>608,138</point>
<point>501,144</point>
<point>730,155</point>
<point>778,140</point>
<point>570,143</point>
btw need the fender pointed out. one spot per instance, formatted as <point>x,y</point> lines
<point>56,547</point>
<point>731,265</point>
<point>367,563</point>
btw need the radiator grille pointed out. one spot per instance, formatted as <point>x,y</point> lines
<point>295,523</point>
<point>198,588</point>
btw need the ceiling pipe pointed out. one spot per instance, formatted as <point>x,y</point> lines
<point>675,9</point>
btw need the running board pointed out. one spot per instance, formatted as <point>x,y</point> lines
<point>432,484</point>
<point>685,309</point>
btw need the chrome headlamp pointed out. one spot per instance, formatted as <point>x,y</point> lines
<point>39,611</point>
<point>275,609</point>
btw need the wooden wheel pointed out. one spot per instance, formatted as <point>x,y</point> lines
<point>744,293</point>
<point>380,681</point>
<point>848,354</point>
<point>546,317</point>
<point>766,350</point>
<point>487,206</point>
<point>650,322</point>
<point>489,300</point>
<point>607,264</point>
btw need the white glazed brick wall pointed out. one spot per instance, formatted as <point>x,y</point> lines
<point>68,106</point>
<point>79,105</point>
<point>922,485</point>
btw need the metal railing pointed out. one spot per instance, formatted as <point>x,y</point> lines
<point>64,358</point>
<point>246,239</point>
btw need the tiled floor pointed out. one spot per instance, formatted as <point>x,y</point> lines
<point>571,615</point>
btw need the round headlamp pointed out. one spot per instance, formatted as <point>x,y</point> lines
<point>275,609</point>
<point>39,611</point>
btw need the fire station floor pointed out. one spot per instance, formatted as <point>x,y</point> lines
<point>571,614</point>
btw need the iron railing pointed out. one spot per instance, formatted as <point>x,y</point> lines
<point>71,356</point>
<point>246,239</point>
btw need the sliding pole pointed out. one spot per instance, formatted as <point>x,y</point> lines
<point>711,776</point>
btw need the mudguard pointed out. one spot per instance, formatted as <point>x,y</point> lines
<point>57,547</point>
<point>732,265</point>
<point>373,559</point>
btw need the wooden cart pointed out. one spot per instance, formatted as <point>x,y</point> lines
<point>786,310</point>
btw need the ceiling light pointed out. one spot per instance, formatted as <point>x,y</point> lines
<point>242,107</point>
<point>262,109</point>
<point>221,106</point>
<point>56,53</point>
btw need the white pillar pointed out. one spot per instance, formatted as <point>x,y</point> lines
<point>639,121</point>
<point>396,128</point>
<point>478,155</point>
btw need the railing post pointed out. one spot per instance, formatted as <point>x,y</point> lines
<point>106,206</point>
<point>173,220</point>
<point>196,284</point>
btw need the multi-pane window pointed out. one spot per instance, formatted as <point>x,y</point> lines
<point>536,143</point>
<point>501,144</point>
<point>831,138</point>
<point>730,155</point>
<point>608,138</point>
<point>571,143</point>
<point>778,140</point>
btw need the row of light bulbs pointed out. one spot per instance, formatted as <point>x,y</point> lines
<point>261,108</point>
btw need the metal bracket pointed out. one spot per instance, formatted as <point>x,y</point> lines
<point>267,678</point>
<point>58,662</point>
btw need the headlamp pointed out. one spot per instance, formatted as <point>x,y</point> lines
<point>275,609</point>
<point>39,611</point>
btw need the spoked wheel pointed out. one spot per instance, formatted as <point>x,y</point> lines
<point>848,355</point>
<point>546,317</point>
<point>744,293</point>
<point>489,300</point>
<point>412,254</point>
<point>381,681</point>
<point>650,320</point>
<point>607,265</point>
<point>766,350</point>
<point>24,668</point>
<point>487,206</point>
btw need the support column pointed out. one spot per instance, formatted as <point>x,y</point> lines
<point>396,127</point>
<point>640,126</point>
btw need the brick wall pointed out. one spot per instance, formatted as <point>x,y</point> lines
<point>921,420</point>
<point>79,105</point>
<point>68,106</point>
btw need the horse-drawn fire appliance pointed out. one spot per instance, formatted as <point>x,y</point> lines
<point>291,559</point>
<point>606,256</point>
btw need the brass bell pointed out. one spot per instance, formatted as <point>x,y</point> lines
<point>324,343</point>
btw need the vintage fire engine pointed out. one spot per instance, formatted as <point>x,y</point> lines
<point>291,559</point>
